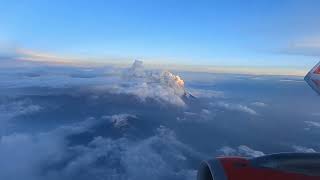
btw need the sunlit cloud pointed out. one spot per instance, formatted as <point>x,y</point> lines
<point>31,55</point>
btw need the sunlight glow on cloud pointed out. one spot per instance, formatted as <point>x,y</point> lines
<point>30,55</point>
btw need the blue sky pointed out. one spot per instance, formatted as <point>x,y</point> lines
<point>224,33</point>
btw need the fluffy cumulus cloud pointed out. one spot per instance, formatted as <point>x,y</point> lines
<point>67,122</point>
<point>35,156</point>
<point>71,148</point>
<point>162,86</point>
<point>156,157</point>
<point>241,150</point>
<point>50,155</point>
<point>148,160</point>
<point>136,70</point>
<point>23,155</point>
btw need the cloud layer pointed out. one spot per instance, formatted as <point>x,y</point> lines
<point>63,122</point>
<point>162,86</point>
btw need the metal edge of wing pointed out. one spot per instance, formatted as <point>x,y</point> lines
<point>308,79</point>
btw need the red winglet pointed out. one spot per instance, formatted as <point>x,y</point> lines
<point>317,71</point>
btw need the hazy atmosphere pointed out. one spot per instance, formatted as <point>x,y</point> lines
<point>148,89</point>
<point>62,122</point>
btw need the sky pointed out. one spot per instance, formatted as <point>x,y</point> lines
<point>271,33</point>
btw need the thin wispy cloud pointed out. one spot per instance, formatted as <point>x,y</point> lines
<point>236,107</point>
<point>307,46</point>
<point>303,149</point>
<point>241,150</point>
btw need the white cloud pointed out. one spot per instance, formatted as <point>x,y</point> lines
<point>205,112</point>
<point>241,150</point>
<point>291,80</point>
<point>245,150</point>
<point>227,151</point>
<point>259,104</point>
<point>40,155</point>
<point>187,113</point>
<point>22,154</point>
<point>156,157</point>
<point>313,124</point>
<point>303,149</point>
<point>203,116</point>
<point>120,120</point>
<point>163,94</point>
<point>20,107</point>
<point>162,86</point>
<point>147,160</point>
<point>136,70</point>
<point>237,107</point>
<point>202,93</point>
<point>10,109</point>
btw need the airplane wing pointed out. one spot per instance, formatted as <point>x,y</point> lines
<point>282,166</point>
<point>313,78</point>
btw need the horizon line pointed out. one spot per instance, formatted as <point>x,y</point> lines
<point>40,57</point>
